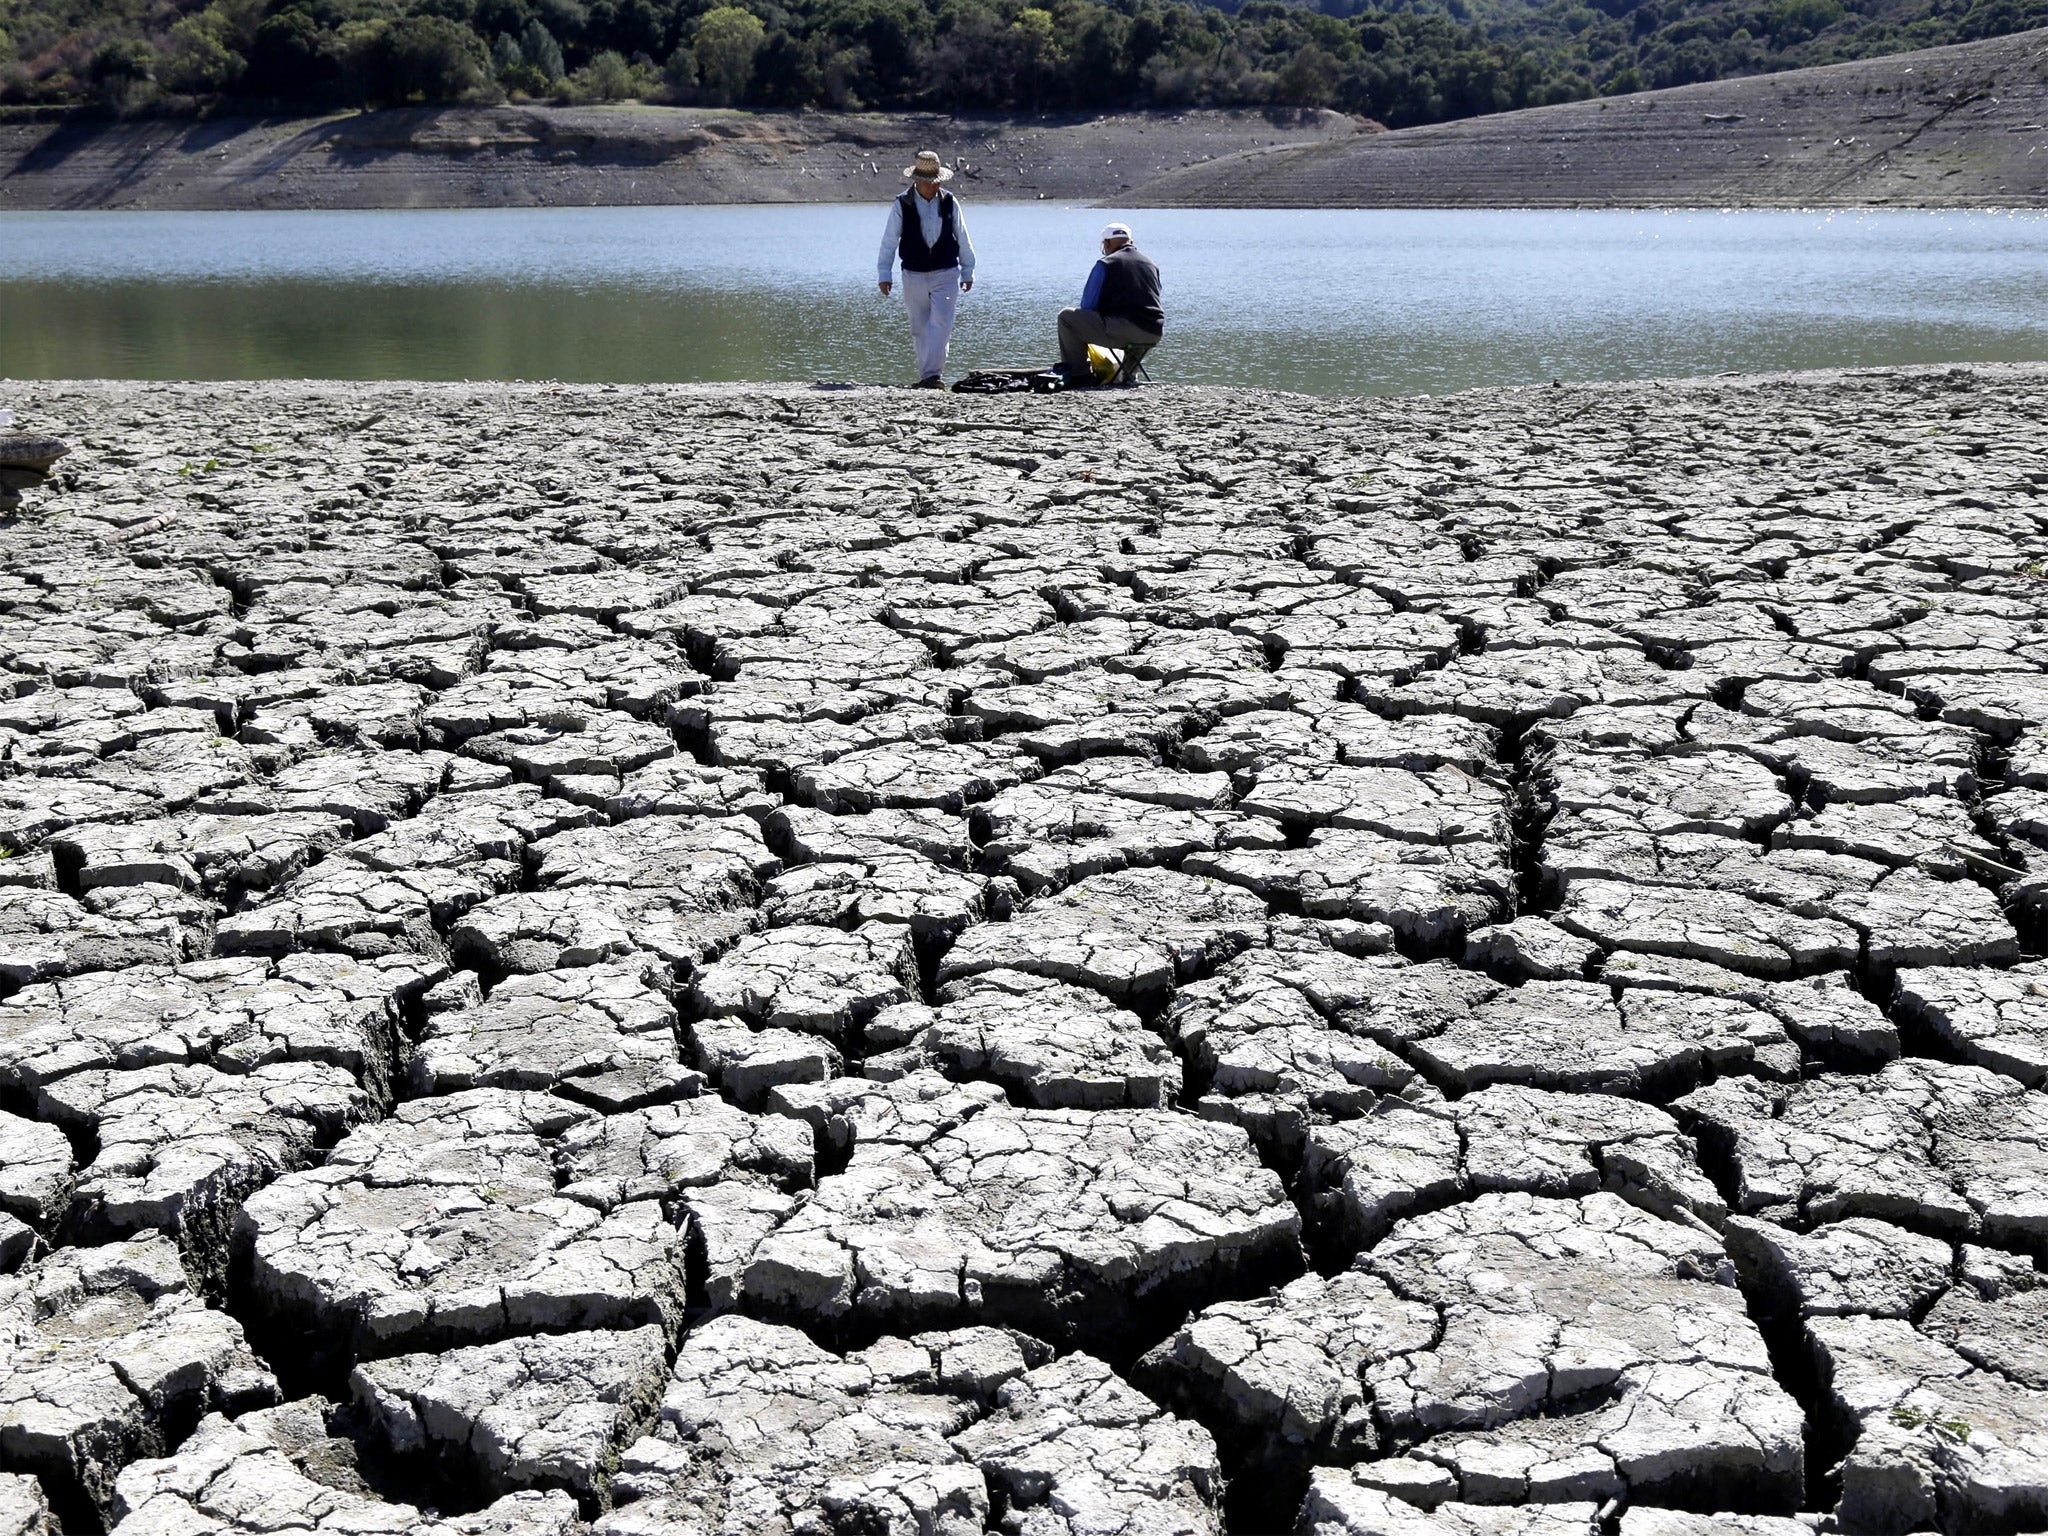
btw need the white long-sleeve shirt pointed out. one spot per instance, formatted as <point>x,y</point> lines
<point>929,222</point>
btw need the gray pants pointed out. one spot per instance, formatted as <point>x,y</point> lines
<point>932,299</point>
<point>1079,328</point>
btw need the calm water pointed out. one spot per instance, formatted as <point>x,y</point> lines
<point>1334,302</point>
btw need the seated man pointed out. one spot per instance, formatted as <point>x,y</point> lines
<point>1119,308</point>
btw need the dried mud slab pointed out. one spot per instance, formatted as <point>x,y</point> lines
<point>235,1015</point>
<point>109,1354</point>
<point>811,979</point>
<point>1070,1224</point>
<point>1953,1150</point>
<point>281,1468</point>
<point>46,934</point>
<point>24,1510</point>
<point>1933,1388</point>
<point>601,1034</point>
<point>546,1411</point>
<point>1428,894</point>
<point>445,1224</point>
<point>1997,1019</point>
<point>760,1425</point>
<point>1284,1038</point>
<point>1722,927</point>
<point>676,889</point>
<point>1359,1176</point>
<point>1070,1448</point>
<point>1055,1046</point>
<point>950,1432</point>
<point>1339,1505</point>
<point>1129,935</point>
<point>1515,1349</point>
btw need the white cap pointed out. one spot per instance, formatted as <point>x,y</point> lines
<point>1116,231</point>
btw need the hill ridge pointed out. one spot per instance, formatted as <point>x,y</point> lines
<point>1970,129</point>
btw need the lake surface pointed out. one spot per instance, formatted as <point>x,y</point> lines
<point>1342,302</point>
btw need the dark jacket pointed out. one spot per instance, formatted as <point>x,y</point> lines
<point>911,250</point>
<point>1130,290</point>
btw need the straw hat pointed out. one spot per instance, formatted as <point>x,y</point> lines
<point>927,167</point>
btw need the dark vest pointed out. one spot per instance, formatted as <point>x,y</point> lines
<point>1130,290</point>
<point>915,255</point>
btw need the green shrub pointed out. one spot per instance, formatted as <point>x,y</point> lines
<point>605,78</point>
<point>122,60</point>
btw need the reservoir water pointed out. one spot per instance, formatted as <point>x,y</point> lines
<point>1341,302</point>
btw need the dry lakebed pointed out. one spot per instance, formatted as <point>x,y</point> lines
<point>684,961</point>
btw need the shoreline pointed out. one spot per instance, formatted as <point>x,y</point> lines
<point>1992,373</point>
<point>17,392</point>
<point>1163,206</point>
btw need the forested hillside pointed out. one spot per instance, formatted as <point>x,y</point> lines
<point>1403,62</point>
<point>1627,45</point>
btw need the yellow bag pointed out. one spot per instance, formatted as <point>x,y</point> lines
<point>1103,363</point>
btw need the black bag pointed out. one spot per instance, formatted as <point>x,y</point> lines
<point>991,381</point>
<point>1010,381</point>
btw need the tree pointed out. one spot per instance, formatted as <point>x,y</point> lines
<point>564,18</point>
<point>679,75</point>
<point>973,60</point>
<point>726,43</point>
<point>1309,80</point>
<point>287,57</point>
<point>350,54</point>
<point>846,74</point>
<point>123,71</point>
<point>204,53</point>
<point>1794,21</point>
<point>1041,52</point>
<point>1102,71</point>
<point>538,48</point>
<point>196,60</point>
<point>127,58</point>
<point>893,35</point>
<point>626,27</point>
<point>786,72</point>
<point>428,57</point>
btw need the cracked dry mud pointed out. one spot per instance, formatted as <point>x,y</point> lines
<point>688,962</point>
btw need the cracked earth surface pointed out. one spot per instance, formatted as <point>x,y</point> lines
<point>668,962</point>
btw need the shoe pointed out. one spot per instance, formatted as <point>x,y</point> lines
<point>930,381</point>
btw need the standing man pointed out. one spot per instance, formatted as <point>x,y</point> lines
<point>1119,308</point>
<point>928,234</point>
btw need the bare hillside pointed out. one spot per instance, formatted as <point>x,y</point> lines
<point>1943,128</point>
<point>543,156</point>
